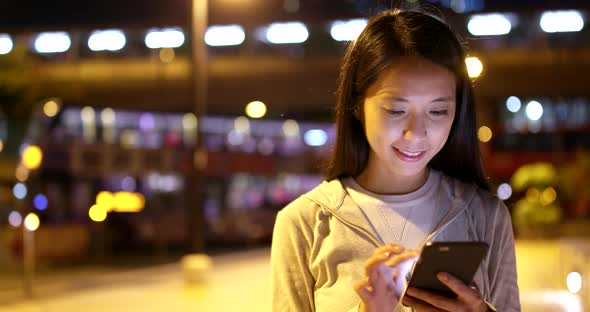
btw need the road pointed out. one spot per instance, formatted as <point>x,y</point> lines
<point>238,282</point>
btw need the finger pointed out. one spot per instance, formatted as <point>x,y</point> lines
<point>376,258</point>
<point>395,274</point>
<point>380,278</point>
<point>363,289</point>
<point>465,293</point>
<point>391,248</point>
<point>401,258</point>
<point>435,300</point>
<point>418,305</point>
<point>372,266</point>
<point>380,255</point>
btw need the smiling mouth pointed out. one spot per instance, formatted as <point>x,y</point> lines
<point>410,153</point>
<point>409,156</point>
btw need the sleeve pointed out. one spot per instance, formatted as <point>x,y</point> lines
<point>504,293</point>
<point>292,284</point>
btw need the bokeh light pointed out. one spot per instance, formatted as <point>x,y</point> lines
<point>494,24</point>
<point>22,173</point>
<point>15,219</point>
<point>128,184</point>
<point>147,122</point>
<point>548,196</point>
<point>106,200</point>
<point>32,222</point>
<point>189,121</point>
<point>51,108</point>
<point>97,213</point>
<point>347,30</point>
<point>107,40</point>
<point>474,66</point>
<point>242,125</point>
<point>291,129</point>
<point>534,110</point>
<point>574,282</point>
<point>504,191</point>
<point>129,202</point>
<point>513,104</point>
<point>87,115</point>
<point>164,38</point>
<point>32,157</point>
<point>40,202</point>
<point>19,190</point>
<point>108,116</point>
<point>540,173</point>
<point>6,44</point>
<point>225,35</point>
<point>52,42</point>
<point>561,21</point>
<point>315,137</point>
<point>167,55</point>
<point>484,134</point>
<point>290,32</point>
<point>256,109</point>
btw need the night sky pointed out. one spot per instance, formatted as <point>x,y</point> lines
<point>23,15</point>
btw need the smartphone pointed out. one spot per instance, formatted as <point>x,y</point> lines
<point>461,259</point>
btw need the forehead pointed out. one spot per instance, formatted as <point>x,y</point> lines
<point>412,75</point>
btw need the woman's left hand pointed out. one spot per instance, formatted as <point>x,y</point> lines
<point>468,299</point>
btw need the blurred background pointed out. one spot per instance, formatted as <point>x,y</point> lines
<point>146,146</point>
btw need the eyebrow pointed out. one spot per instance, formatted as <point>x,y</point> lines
<point>437,100</point>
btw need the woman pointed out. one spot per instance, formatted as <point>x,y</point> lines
<point>405,171</point>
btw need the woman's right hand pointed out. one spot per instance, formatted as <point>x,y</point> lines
<point>380,290</point>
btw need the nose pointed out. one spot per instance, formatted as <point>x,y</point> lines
<point>415,127</point>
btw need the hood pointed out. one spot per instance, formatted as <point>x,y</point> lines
<point>453,197</point>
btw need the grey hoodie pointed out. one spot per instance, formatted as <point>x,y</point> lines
<point>322,239</point>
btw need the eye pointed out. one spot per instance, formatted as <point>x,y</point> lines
<point>439,112</point>
<point>394,112</point>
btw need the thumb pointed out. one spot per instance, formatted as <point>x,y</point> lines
<point>362,289</point>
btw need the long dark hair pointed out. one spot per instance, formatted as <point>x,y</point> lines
<point>388,37</point>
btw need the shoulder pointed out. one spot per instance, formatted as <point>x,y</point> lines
<point>480,203</point>
<point>305,208</point>
<point>489,205</point>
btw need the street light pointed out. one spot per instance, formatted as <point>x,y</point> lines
<point>225,35</point>
<point>31,224</point>
<point>6,44</point>
<point>474,66</point>
<point>53,42</point>
<point>107,40</point>
<point>199,22</point>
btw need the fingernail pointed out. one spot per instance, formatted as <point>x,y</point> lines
<point>443,276</point>
<point>411,291</point>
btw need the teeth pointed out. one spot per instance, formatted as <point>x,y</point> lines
<point>410,154</point>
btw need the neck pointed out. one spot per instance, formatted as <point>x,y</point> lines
<point>386,183</point>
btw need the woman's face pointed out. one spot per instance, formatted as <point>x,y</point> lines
<point>408,114</point>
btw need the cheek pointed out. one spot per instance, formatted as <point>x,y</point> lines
<point>381,131</point>
<point>439,133</point>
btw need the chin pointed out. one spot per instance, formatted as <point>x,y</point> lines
<point>409,171</point>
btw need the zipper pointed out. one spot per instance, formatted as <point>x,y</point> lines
<point>444,226</point>
<point>441,228</point>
